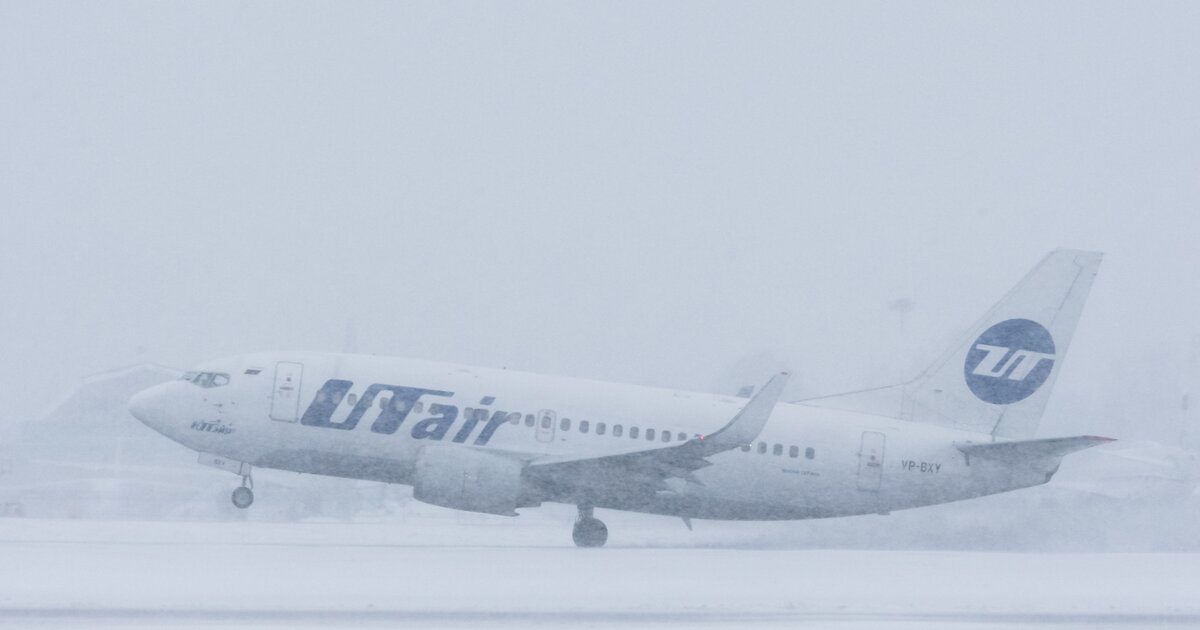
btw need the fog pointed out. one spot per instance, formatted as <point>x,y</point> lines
<point>682,195</point>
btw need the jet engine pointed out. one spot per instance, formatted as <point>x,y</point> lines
<point>467,479</point>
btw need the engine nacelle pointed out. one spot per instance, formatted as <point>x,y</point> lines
<point>467,479</point>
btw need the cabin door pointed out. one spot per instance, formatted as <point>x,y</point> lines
<point>285,398</point>
<point>546,422</point>
<point>870,461</point>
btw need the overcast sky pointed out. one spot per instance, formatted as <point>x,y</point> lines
<point>678,194</point>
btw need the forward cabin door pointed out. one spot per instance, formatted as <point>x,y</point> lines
<point>547,420</point>
<point>285,398</point>
<point>870,461</point>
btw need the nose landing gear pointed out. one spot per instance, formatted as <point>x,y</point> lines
<point>243,496</point>
<point>589,531</point>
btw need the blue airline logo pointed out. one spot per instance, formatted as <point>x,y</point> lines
<point>1009,361</point>
<point>395,410</point>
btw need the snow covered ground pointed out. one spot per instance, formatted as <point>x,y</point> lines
<point>420,574</point>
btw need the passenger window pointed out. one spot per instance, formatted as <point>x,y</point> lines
<point>546,421</point>
<point>682,436</point>
<point>383,403</point>
<point>419,407</point>
<point>600,428</point>
<point>633,433</point>
<point>762,448</point>
<point>529,420</point>
<point>514,418</point>
<point>583,426</point>
<point>616,430</point>
<point>399,404</point>
<point>666,436</point>
<point>565,424</point>
<point>649,435</point>
<point>745,448</point>
<point>794,452</point>
<point>352,399</point>
<point>809,453</point>
<point>778,450</point>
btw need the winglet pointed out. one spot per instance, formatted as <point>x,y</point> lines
<point>749,422</point>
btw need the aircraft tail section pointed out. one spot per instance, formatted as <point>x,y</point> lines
<point>997,378</point>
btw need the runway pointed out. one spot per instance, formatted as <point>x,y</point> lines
<point>337,575</point>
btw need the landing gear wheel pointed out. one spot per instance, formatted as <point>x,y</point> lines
<point>243,497</point>
<point>590,532</point>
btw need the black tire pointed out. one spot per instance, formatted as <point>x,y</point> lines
<point>590,532</point>
<point>242,497</point>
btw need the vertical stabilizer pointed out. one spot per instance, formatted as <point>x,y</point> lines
<point>998,378</point>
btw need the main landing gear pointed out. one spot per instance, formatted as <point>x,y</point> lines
<point>243,496</point>
<point>589,531</point>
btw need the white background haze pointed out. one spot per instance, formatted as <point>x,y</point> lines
<point>681,194</point>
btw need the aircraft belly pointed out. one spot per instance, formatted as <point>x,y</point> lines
<point>352,466</point>
<point>338,454</point>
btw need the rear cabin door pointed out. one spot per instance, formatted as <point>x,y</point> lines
<point>285,398</point>
<point>870,461</point>
<point>547,420</point>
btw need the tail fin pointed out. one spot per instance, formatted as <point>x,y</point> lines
<point>998,377</point>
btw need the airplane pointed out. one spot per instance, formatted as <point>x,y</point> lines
<point>494,441</point>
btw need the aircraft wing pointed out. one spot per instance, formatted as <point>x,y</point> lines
<point>647,471</point>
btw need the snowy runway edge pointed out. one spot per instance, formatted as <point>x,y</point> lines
<point>340,575</point>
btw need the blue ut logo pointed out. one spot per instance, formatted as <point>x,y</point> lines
<point>1009,361</point>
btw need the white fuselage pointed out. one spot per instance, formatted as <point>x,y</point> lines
<point>368,417</point>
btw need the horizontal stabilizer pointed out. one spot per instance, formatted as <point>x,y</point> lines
<point>1029,450</point>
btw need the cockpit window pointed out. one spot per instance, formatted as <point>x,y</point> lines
<point>206,379</point>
